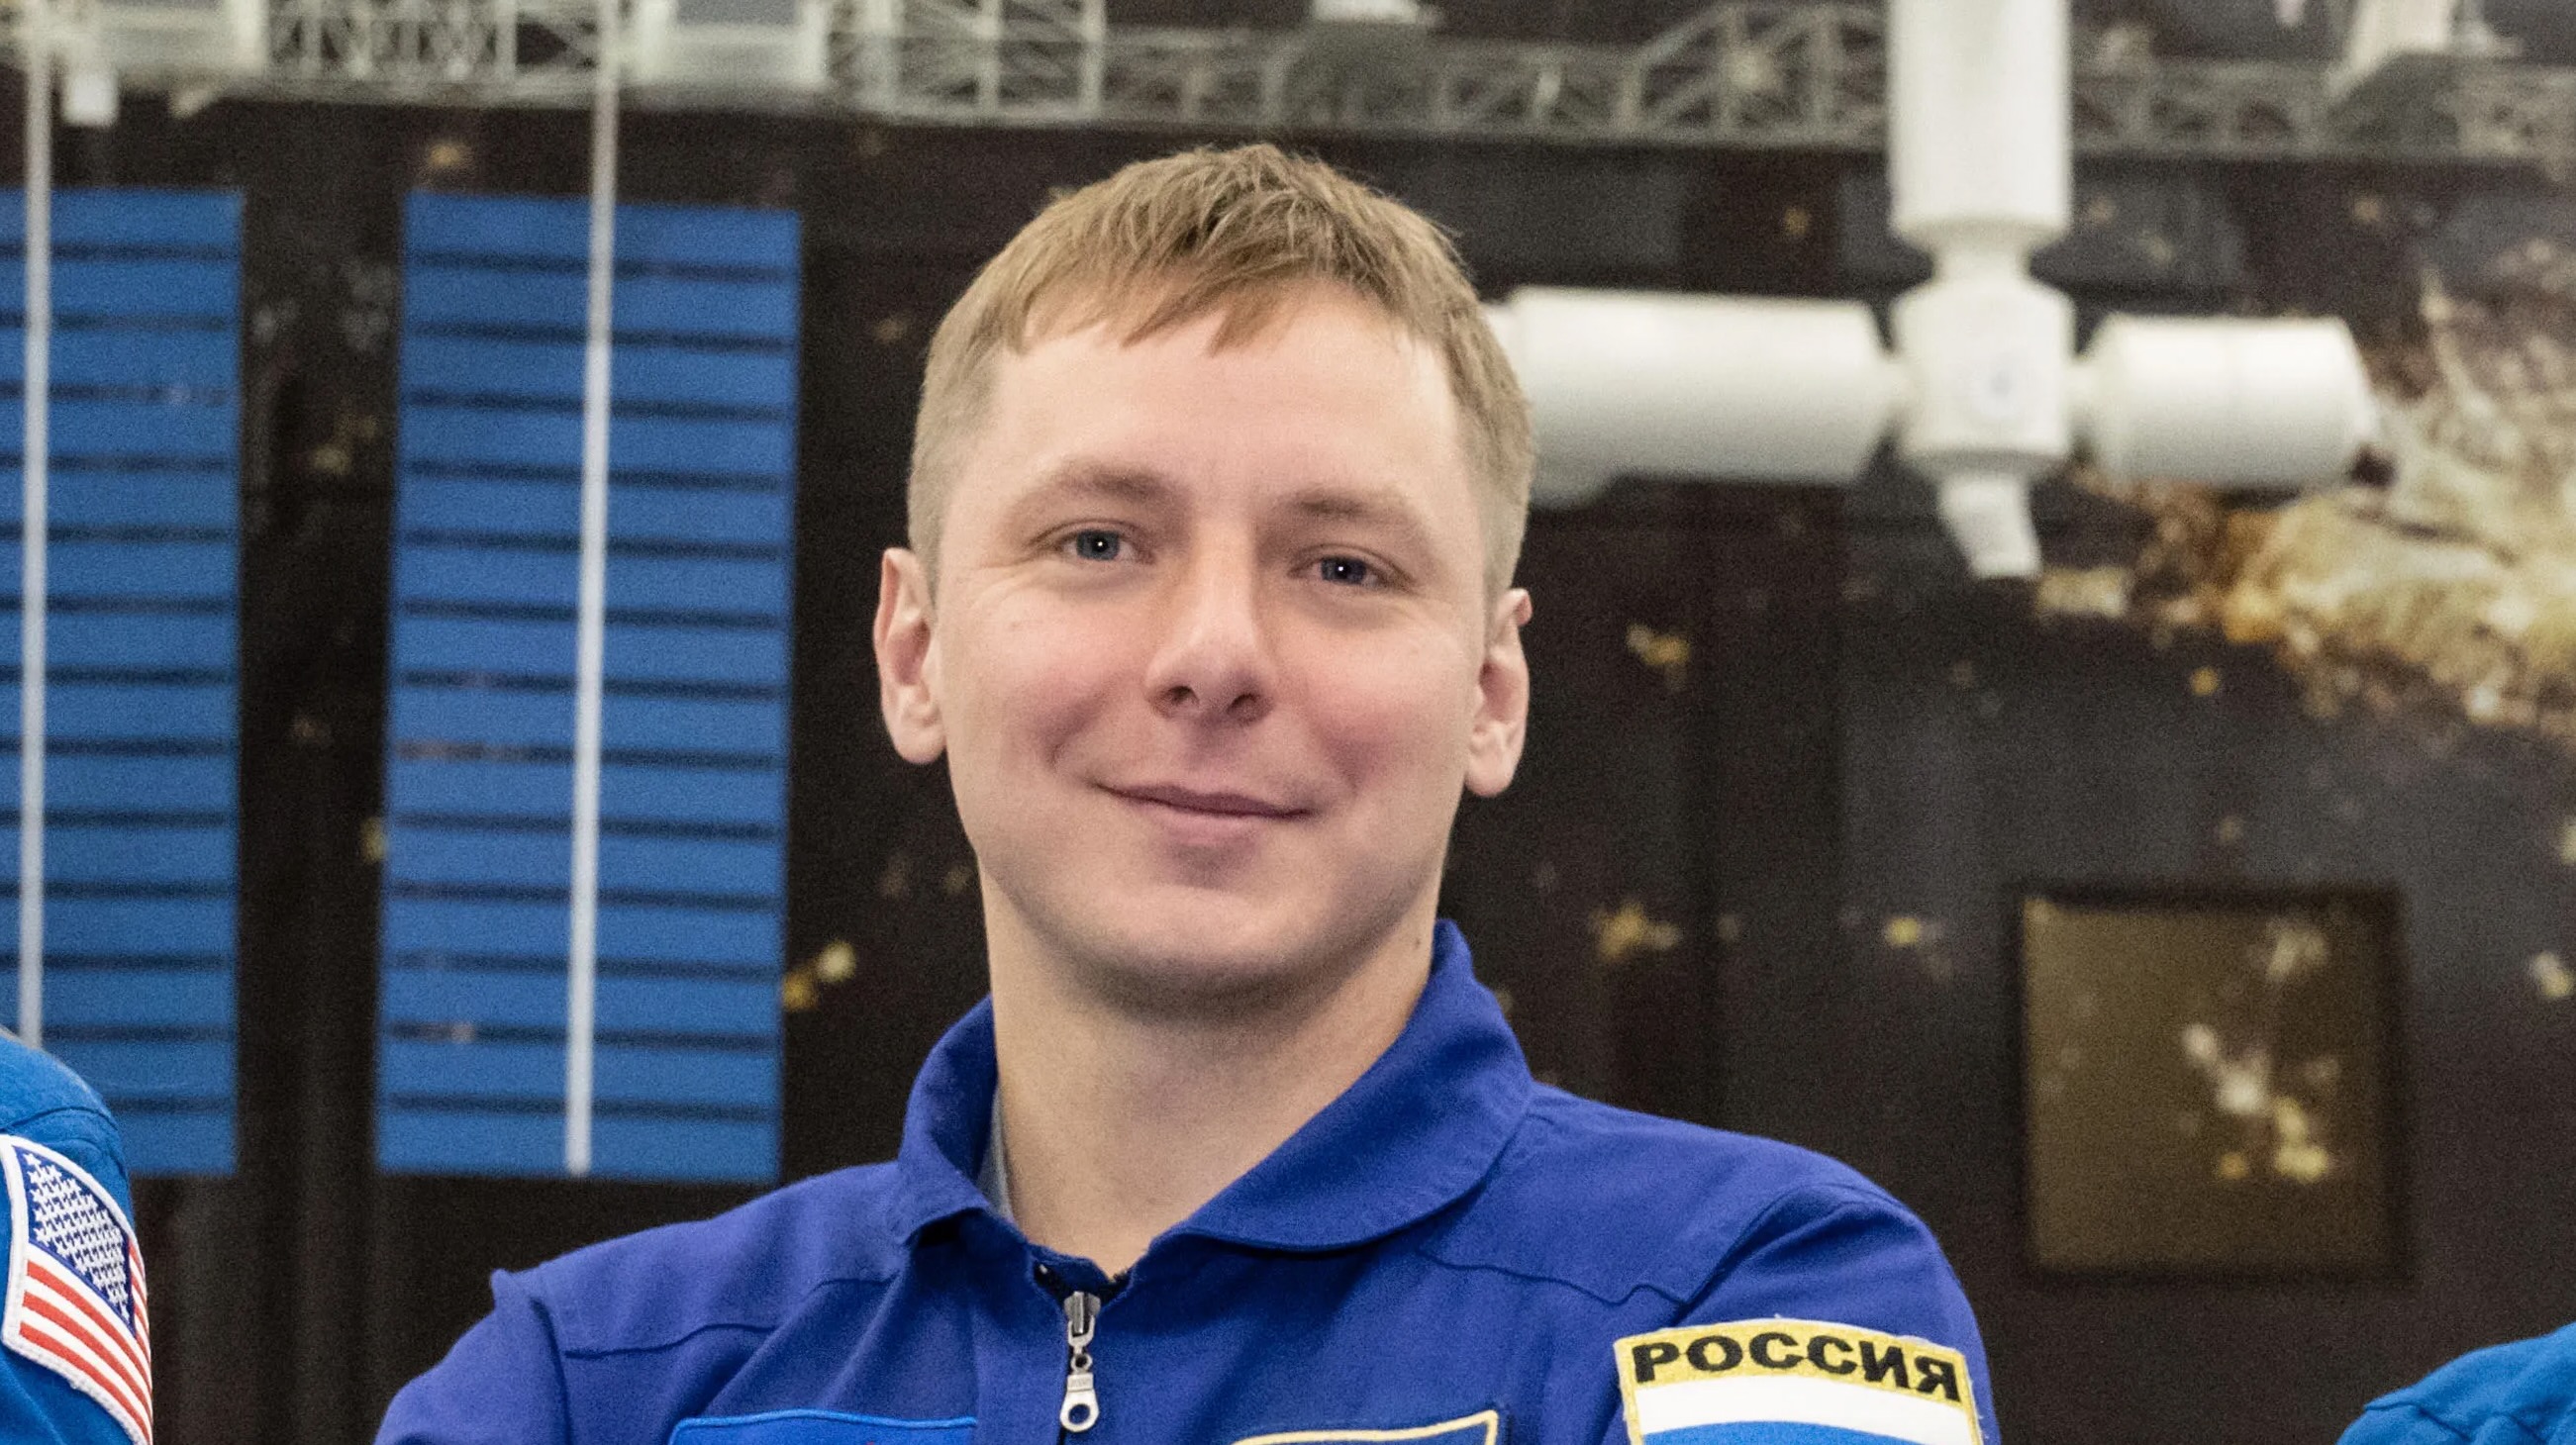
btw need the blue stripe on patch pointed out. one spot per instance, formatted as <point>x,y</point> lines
<point>1765,1432</point>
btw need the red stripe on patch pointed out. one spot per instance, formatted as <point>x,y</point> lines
<point>136,1397</point>
<point>64,1351</point>
<point>137,1371</point>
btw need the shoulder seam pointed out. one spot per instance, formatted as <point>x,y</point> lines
<point>68,1106</point>
<point>1470,1267</point>
<point>1678,1286</point>
<point>2531,1423</point>
<point>544,1311</point>
<point>597,1352</point>
<point>2437,1422</point>
<point>1853,1195</point>
<point>589,1352</point>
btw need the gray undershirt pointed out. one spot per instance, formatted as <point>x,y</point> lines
<point>995,1177</point>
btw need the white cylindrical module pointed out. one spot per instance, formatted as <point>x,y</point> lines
<point>2239,403</point>
<point>1979,134</point>
<point>1635,382</point>
<point>1987,352</point>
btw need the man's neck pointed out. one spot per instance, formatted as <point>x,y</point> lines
<point>1121,1122</point>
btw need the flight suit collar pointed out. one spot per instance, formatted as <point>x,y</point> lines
<point>1419,1129</point>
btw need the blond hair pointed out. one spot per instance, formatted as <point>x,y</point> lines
<point>1165,242</point>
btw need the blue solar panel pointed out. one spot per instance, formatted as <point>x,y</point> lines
<point>693,724</point>
<point>142,646</point>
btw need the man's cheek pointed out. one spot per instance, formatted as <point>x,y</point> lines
<point>1388,725</point>
<point>1040,699</point>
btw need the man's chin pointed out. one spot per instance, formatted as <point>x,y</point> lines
<point>1201,965</point>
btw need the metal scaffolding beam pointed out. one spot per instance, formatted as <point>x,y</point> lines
<point>1742,74</point>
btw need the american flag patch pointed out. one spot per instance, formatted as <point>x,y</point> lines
<point>75,1302</point>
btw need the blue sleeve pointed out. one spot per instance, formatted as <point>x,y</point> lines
<point>2522,1393</point>
<point>42,1099</point>
<point>501,1385</point>
<point>1846,1256</point>
<point>86,1136</point>
<point>2406,1424</point>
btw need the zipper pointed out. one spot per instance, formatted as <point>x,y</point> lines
<point>1081,1402</point>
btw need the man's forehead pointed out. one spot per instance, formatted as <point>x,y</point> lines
<point>1329,498</point>
<point>1069,422</point>
<point>1131,309</point>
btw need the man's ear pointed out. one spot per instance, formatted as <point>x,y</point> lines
<point>1502,700</point>
<point>907,665</point>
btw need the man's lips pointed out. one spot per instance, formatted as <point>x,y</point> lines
<point>1208,803</point>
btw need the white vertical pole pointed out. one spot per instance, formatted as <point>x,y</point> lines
<point>591,646</point>
<point>880,68</point>
<point>39,331</point>
<point>1095,56</point>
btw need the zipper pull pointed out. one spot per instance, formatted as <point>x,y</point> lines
<point>1081,1403</point>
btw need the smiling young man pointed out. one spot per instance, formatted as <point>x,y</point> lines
<point>1218,484</point>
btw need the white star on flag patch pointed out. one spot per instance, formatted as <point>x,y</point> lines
<point>75,1294</point>
<point>1793,1382</point>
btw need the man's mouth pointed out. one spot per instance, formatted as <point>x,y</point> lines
<point>1211,803</point>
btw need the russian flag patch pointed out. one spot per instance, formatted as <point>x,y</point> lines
<point>1793,1382</point>
<point>75,1291</point>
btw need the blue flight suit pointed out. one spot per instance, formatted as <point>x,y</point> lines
<point>44,1103</point>
<point>2518,1394</point>
<point>1448,1250</point>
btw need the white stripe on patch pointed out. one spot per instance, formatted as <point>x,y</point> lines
<point>1794,1400</point>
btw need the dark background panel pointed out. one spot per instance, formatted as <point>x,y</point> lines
<point>1986,752</point>
<point>1822,825</point>
<point>1601,892</point>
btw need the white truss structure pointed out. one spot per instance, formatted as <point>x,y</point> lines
<point>1741,74</point>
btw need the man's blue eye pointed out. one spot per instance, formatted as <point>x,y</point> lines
<point>1347,569</point>
<point>1097,545</point>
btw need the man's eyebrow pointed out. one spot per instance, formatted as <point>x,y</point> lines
<point>1371,507</point>
<point>1089,479</point>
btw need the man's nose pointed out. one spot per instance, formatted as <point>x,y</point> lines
<point>1214,659</point>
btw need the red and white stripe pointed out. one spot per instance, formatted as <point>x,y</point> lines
<point>56,1316</point>
<point>134,1293</point>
